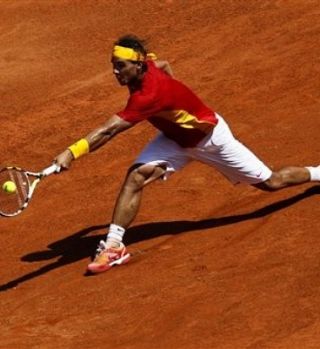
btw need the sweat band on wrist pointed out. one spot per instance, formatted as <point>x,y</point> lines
<point>79,148</point>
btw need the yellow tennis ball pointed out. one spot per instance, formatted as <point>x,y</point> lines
<point>9,187</point>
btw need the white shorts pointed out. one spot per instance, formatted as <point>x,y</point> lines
<point>219,149</point>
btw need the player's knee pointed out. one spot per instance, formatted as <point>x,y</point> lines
<point>140,175</point>
<point>134,179</point>
<point>274,183</point>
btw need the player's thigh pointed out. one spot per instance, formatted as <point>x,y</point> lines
<point>233,159</point>
<point>165,154</point>
<point>238,163</point>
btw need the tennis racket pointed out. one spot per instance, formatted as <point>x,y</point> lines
<point>13,203</point>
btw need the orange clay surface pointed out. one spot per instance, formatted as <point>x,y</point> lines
<point>214,265</point>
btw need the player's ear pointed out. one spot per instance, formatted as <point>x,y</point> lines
<point>139,66</point>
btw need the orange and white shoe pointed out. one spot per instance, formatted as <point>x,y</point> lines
<point>107,257</point>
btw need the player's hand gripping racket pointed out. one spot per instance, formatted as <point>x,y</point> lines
<point>21,188</point>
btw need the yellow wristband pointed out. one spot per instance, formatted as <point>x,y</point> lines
<point>79,148</point>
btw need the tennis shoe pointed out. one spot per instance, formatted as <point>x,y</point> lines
<point>106,257</point>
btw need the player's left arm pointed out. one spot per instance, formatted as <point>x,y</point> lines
<point>94,140</point>
<point>164,66</point>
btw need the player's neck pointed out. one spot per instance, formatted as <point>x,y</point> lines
<point>136,83</point>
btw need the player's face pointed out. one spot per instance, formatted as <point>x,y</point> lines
<point>125,71</point>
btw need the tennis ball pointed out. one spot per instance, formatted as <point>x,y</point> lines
<point>9,187</point>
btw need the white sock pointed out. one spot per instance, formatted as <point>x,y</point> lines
<point>314,173</point>
<point>115,233</point>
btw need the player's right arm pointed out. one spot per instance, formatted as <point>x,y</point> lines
<point>108,130</point>
<point>164,66</point>
<point>95,139</point>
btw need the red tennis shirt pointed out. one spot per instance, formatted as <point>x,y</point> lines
<point>171,107</point>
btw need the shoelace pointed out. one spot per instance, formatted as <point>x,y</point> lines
<point>101,247</point>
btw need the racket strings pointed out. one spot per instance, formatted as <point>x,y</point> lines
<point>11,203</point>
<point>21,181</point>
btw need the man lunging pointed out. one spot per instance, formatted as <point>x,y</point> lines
<point>189,130</point>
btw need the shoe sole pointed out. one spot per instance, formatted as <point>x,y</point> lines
<point>100,268</point>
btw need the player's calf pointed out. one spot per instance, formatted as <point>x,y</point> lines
<point>289,176</point>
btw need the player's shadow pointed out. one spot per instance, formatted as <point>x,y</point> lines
<point>80,246</point>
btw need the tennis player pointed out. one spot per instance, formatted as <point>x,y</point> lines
<point>189,130</point>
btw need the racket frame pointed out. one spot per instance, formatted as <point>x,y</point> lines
<point>54,168</point>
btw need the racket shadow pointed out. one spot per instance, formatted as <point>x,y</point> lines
<point>80,246</point>
<point>69,250</point>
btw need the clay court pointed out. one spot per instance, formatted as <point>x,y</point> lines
<point>214,266</point>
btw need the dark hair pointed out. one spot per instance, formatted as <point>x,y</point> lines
<point>132,41</point>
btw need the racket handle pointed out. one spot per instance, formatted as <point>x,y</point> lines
<point>54,168</point>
